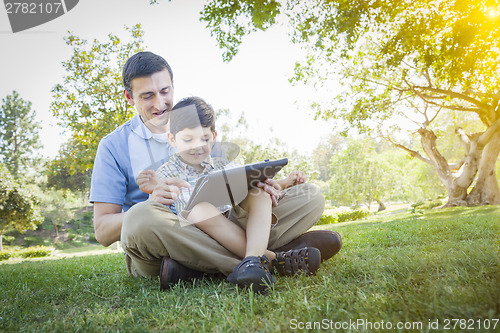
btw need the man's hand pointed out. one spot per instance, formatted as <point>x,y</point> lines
<point>272,187</point>
<point>147,180</point>
<point>167,190</point>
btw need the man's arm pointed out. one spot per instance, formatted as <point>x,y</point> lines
<point>108,219</point>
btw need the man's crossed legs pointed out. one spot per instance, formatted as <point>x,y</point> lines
<point>153,238</point>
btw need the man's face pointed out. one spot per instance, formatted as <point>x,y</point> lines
<point>153,97</point>
<point>193,144</point>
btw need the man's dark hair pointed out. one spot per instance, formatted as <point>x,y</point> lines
<point>189,118</point>
<point>143,64</point>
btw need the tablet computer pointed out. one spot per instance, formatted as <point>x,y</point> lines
<point>230,186</point>
<point>260,171</point>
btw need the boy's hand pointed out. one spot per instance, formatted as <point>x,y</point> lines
<point>296,178</point>
<point>147,180</point>
<point>167,190</point>
<point>272,187</point>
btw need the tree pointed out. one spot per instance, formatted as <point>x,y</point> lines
<point>89,102</point>
<point>322,154</point>
<point>413,60</point>
<point>18,206</point>
<point>60,176</point>
<point>358,175</point>
<point>18,134</point>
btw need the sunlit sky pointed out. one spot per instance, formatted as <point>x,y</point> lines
<point>254,83</point>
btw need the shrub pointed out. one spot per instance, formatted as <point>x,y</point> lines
<point>328,219</point>
<point>425,204</point>
<point>36,252</point>
<point>5,255</point>
<point>71,235</point>
<point>351,215</point>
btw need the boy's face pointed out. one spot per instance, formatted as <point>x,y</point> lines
<point>153,96</point>
<point>193,144</point>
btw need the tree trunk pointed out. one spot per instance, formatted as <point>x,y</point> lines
<point>381,205</point>
<point>486,191</point>
<point>457,191</point>
<point>1,242</point>
<point>456,186</point>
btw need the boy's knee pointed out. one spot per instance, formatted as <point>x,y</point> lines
<point>258,193</point>
<point>202,212</point>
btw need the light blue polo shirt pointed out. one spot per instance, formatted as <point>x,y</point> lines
<point>120,157</point>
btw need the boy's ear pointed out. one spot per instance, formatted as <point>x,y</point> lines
<point>171,139</point>
<point>128,97</point>
<point>215,135</point>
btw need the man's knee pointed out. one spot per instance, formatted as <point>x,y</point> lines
<point>311,194</point>
<point>144,217</point>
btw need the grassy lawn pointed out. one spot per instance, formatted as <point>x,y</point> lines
<point>421,269</point>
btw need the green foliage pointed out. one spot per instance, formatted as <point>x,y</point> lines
<point>19,137</point>
<point>350,215</point>
<point>230,20</point>
<point>61,177</point>
<point>89,102</point>
<point>31,252</point>
<point>367,170</point>
<point>36,252</point>
<point>425,204</point>
<point>5,255</point>
<point>7,240</point>
<point>18,206</point>
<point>328,219</point>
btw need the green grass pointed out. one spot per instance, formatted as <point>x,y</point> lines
<point>440,265</point>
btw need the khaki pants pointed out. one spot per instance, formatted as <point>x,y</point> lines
<point>151,231</point>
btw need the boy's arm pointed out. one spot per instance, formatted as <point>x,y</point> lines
<point>274,187</point>
<point>294,178</point>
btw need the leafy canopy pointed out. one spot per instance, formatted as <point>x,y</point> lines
<point>392,56</point>
<point>89,103</point>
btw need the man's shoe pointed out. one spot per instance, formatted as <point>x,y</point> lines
<point>252,272</point>
<point>327,242</point>
<point>172,272</point>
<point>292,262</point>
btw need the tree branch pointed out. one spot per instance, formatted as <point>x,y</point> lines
<point>412,152</point>
<point>489,133</point>
<point>479,104</point>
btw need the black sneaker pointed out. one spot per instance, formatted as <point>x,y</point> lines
<point>291,262</point>
<point>171,273</point>
<point>252,272</point>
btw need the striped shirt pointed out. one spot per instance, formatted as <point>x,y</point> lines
<point>176,168</point>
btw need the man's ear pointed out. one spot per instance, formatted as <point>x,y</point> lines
<point>215,135</point>
<point>171,139</point>
<point>128,97</point>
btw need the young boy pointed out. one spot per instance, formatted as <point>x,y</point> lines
<point>243,230</point>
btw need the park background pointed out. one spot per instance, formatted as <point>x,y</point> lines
<point>350,114</point>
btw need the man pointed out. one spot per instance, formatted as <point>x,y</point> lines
<point>154,242</point>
